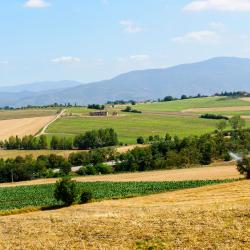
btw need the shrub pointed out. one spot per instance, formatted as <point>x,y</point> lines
<point>244,167</point>
<point>90,170</point>
<point>140,140</point>
<point>66,191</point>
<point>86,196</point>
<point>82,171</point>
<point>103,168</point>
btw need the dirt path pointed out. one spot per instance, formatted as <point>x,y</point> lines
<point>49,123</point>
<point>211,217</point>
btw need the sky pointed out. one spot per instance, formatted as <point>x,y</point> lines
<point>90,40</point>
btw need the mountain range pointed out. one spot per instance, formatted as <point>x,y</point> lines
<point>206,77</point>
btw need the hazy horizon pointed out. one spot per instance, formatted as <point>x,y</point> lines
<point>52,40</point>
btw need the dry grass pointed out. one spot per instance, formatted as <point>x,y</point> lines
<point>213,172</point>
<point>247,99</point>
<point>211,217</point>
<point>65,153</point>
<point>219,109</point>
<point>22,127</point>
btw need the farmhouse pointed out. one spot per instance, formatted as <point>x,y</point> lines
<point>99,113</point>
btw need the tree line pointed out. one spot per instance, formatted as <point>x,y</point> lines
<point>88,140</point>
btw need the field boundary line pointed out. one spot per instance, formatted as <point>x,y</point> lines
<point>49,123</point>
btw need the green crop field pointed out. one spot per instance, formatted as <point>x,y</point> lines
<point>179,105</point>
<point>129,125</point>
<point>26,113</point>
<point>42,195</point>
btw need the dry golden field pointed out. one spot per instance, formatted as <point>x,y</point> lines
<point>35,153</point>
<point>22,127</point>
<point>211,217</point>
<point>215,171</point>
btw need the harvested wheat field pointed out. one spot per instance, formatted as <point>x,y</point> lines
<point>22,127</point>
<point>218,171</point>
<point>211,217</point>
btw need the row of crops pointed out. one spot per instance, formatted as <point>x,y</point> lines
<point>42,195</point>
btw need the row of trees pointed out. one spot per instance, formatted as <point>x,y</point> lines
<point>166,153</point>
<point>89,140</point>
<point>47,166</point>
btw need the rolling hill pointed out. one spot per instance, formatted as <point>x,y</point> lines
<point>206,77</point>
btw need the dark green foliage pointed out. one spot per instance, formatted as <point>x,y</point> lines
<point>96,139</point>
<point>96,106</point>
<point>43,195</point>
<point>86,196</point>
<point>213,116</point>
<point>103,168</point>
<point>129,109</point>
<point>244,167</point>
<point>66,191</point>
<point>140,140</point>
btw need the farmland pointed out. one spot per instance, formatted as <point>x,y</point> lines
<point>26,113</point>
<point>157,118</point>
<point>42,195</point>
<point>23,126</point>
<point>216,171</point>
<point>210,217</point>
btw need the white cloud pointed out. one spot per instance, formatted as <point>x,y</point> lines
<point>130,26</point>
<point>204,36</point>
<point>66,59</point>
<point>36,4</point>
<point>218,5</point>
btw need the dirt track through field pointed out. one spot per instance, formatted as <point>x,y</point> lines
<point>216,171</point>
<point>211,217</point>
<point>22,127</point>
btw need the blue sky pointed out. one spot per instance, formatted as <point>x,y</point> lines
<point>88,40</point>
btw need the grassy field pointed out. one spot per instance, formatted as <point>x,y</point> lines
<point>130,126</point>
<point>179,105</point>
<point>210,217</point>
<point>26,113</point>
<point>42,195</point>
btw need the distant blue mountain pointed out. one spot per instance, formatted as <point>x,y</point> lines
<point>206,77</point>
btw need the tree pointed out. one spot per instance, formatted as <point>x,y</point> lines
<point>140,140</point>
<point>221,125</point>
<point>55,141</point>
<point>42,142</point>
<point>66,191</point>
<point>244,167</point>
<point>237,122</point>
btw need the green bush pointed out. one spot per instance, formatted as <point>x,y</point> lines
<point>244,167</point>
<point>66,191</point>
<point>140,140</point>
<point>103,168</point>
<point>86,196</point>
<point>90,170</point>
